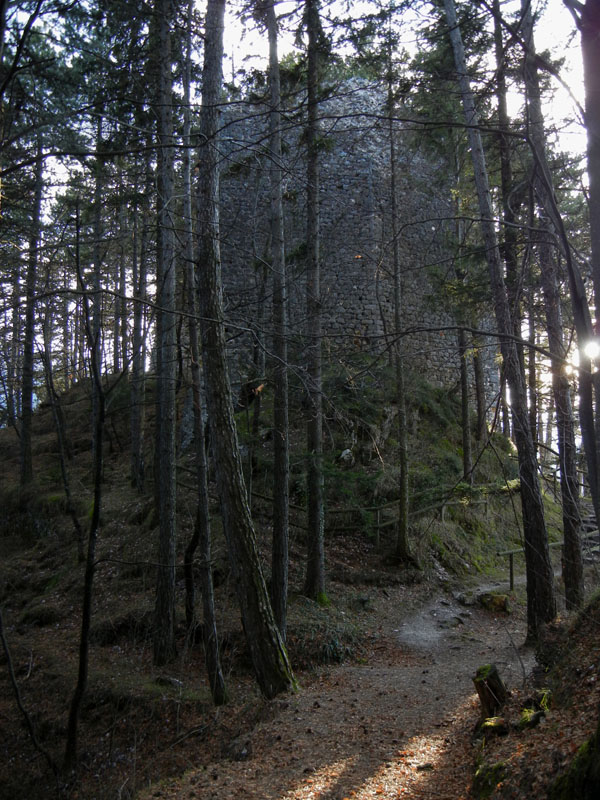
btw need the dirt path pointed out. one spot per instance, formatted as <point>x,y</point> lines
<point>397,725</point>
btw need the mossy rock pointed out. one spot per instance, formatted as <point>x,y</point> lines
<point>494,726</point>
<point>495,602</point>
<point>487,777</point>
<point>530,717</point>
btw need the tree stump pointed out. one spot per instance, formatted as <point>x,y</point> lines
<point>491,690</point>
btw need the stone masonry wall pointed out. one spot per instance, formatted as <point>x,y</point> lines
<point>356,234</point>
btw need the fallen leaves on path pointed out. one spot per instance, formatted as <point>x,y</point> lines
<point>397,725</point>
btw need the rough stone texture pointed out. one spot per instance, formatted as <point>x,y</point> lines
<point>356,238</point>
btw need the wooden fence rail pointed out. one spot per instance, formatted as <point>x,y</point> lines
<point>512,553</point>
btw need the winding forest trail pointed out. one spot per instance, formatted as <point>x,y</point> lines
<point>397,725</point>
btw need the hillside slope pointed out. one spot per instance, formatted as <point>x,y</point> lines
<point>141,725</point>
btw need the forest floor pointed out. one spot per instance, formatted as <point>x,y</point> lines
<point>397,724</point>
<point>395,719</point>
<point>400,721</point>
<point>386,706</point>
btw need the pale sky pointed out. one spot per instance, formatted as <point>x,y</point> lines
<point>555,31</point>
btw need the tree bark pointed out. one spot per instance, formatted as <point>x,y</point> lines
<point>532,382</point>
<point>267,650</point>
<point>587,16</point>
<point>29,328</point>
<point>572,555</point>
<point>491,690</point>
<point>314,585</point>
<point>541,602</point>
<point>138,370</point>
<point>481,431</point>
<point>164,610</point>
<point>90,563</point>
<point>59,423</point>
<point>281,458</point>
<point>201,537</point>
<point>402,548</point>
<point>509,201</point>
<point>465,412</point>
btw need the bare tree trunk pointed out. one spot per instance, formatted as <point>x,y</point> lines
<point>587,16</point>
<point>572,556</point>
<point>164,610</point>
<point>465,408</point>
<point>549,423</point>
<point>90,564</point>
<point>532,383</point>
<point>541,602</point>
<point>509,200</point>
<point>138,369</point>
<point>506,423</point>
<point>314,584</point>
<point>59,424</point>
<point>202,535</point>
<point>267,650</point>
<point>96,310</point>
<point>567,450</point>
<point>13,404</point>
<point>67,350</point>
<point>402,548</point>
<point>462,339</point>
<point>141,236</point>
<point>29,329</point>
<point>481,431</point>
<point>281,458</point>
<point>120,355</point>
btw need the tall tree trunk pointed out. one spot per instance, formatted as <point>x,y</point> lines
<point>587,16</point>
<point>137,387</point>
<point>267,650</point>
<point>506,423</point>
<point>314,585</point>
<point>29,329</point>
<point>532,382</point>
<point>281,458</point>
<point>509,201</point>
<point>141,235</point>
<point>572,556</point>
<point>462,337</point>
<point>465,408</point>
<point>120,355</point>
<point>67,338</point>
<point>549,424</point>
<point>90,563</point>
<point>164,610</point>
<point>97,254</point>
<point>59,424</point>
<point>567,450</point>
<point>13,403</point>
<point>402,548</point>
<point>201,537</point>
<point>541,602</point>
<point>481,430</point>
